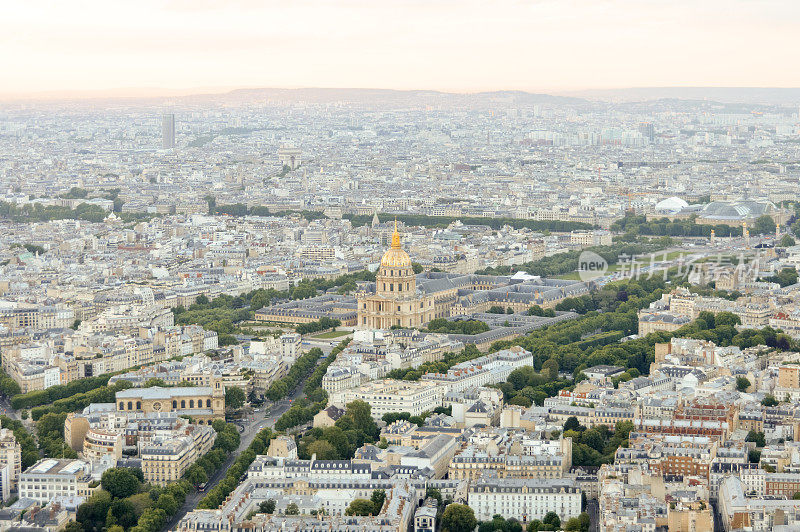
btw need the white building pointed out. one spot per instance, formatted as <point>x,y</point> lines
<point>524,499</point>
<point>50,478</point>
<point>389,395</point>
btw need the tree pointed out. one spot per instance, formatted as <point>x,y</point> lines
<point>292,509</point>
<point>378,498</point>
<point>742,384</point>
<point>120,482</point>
<point>167,503</point>
<point>769,400</point>
<point>757,437</point>
<point>726,318</point>
<point>787,241</point>
<point>323,450</point>
<point>550,369</point>
<point>267,507</point>
<point>360,507</point>
<point>764,225</point>
<point>123,513</point>
<point>458,518</point>
<point>234,397</point>
<point>551,518</point>
<point>572,423</point>
<point>73,526</point>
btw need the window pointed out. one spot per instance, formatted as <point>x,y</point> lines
<point>183,403</point>
<point>191,403</point>
<point>174,404</point>
<point>121,405</point>
<point>208,403</point>
<point>130,405</point>
<point>138,405</point>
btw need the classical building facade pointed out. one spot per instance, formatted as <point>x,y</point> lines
<point>201,403</point>
<point>396,301</point>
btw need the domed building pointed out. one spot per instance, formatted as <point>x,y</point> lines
<point>671,205</point>
<point>395,301</point>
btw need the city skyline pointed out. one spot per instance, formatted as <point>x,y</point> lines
<point>543,46</point>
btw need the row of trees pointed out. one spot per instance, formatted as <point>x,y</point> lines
<point>126,503</point>
<point>785,277</point>
<point>226,442</point>
<point>304,409</point>
<point>37,212</point>
<point>220,492</point>
<point>60,391</point>
<point>536,310</point>
<point>550,521</point>
<point>567,262</point>
<point>224,313</point>
<point>79,401</point>
<point>321,324</point>
<point>560,226</point>
<point>638,225</point>
<point>302,367</point>
<point>240,209</point>
<point>442,325</point>
<point>50,432</point>
<point>8,386</point>
<point>29,452</point>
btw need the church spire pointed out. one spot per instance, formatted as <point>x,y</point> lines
<point>395,236</point>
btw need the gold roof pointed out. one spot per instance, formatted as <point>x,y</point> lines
<point>395,257</point>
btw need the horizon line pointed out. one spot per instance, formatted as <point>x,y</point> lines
<point>127,93</point>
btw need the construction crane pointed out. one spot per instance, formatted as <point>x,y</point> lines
<point>630,195</point>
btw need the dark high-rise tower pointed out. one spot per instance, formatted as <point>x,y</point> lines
<point>168,131</point>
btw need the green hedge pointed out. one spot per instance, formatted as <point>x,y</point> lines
<point>104,394</point>
<point>61,391</point>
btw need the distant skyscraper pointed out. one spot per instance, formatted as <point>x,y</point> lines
<point>647,130</point>
<point>168,131</point>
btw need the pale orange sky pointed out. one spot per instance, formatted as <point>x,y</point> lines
<point>59,45</point>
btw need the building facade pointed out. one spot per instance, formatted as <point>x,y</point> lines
<point>396,301</point>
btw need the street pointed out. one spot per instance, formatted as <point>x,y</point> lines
<point>252,428</point>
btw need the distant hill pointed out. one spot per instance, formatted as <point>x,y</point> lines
<point>751,95</point>
<point>394,98</point>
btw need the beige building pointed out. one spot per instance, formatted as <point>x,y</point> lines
<point>165,459</point>
<point>98,444</point>
<point>396,301</point>
<point>10,462</point>
<point>201,403</point>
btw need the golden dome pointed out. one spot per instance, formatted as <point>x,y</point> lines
<point>395,257</point>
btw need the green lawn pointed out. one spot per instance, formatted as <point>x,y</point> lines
<point>332,334</point>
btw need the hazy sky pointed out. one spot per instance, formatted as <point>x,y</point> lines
<point>463,45</point>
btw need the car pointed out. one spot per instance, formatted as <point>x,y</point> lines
<point>201,487</point>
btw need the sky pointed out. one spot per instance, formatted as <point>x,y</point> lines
<point>55,46</point>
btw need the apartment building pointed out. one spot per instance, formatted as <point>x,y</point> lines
<point>166,457</point>
<point>389,395</point>
<point>10,462</point>
<point>49,478</point>
<point>524,499</point>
